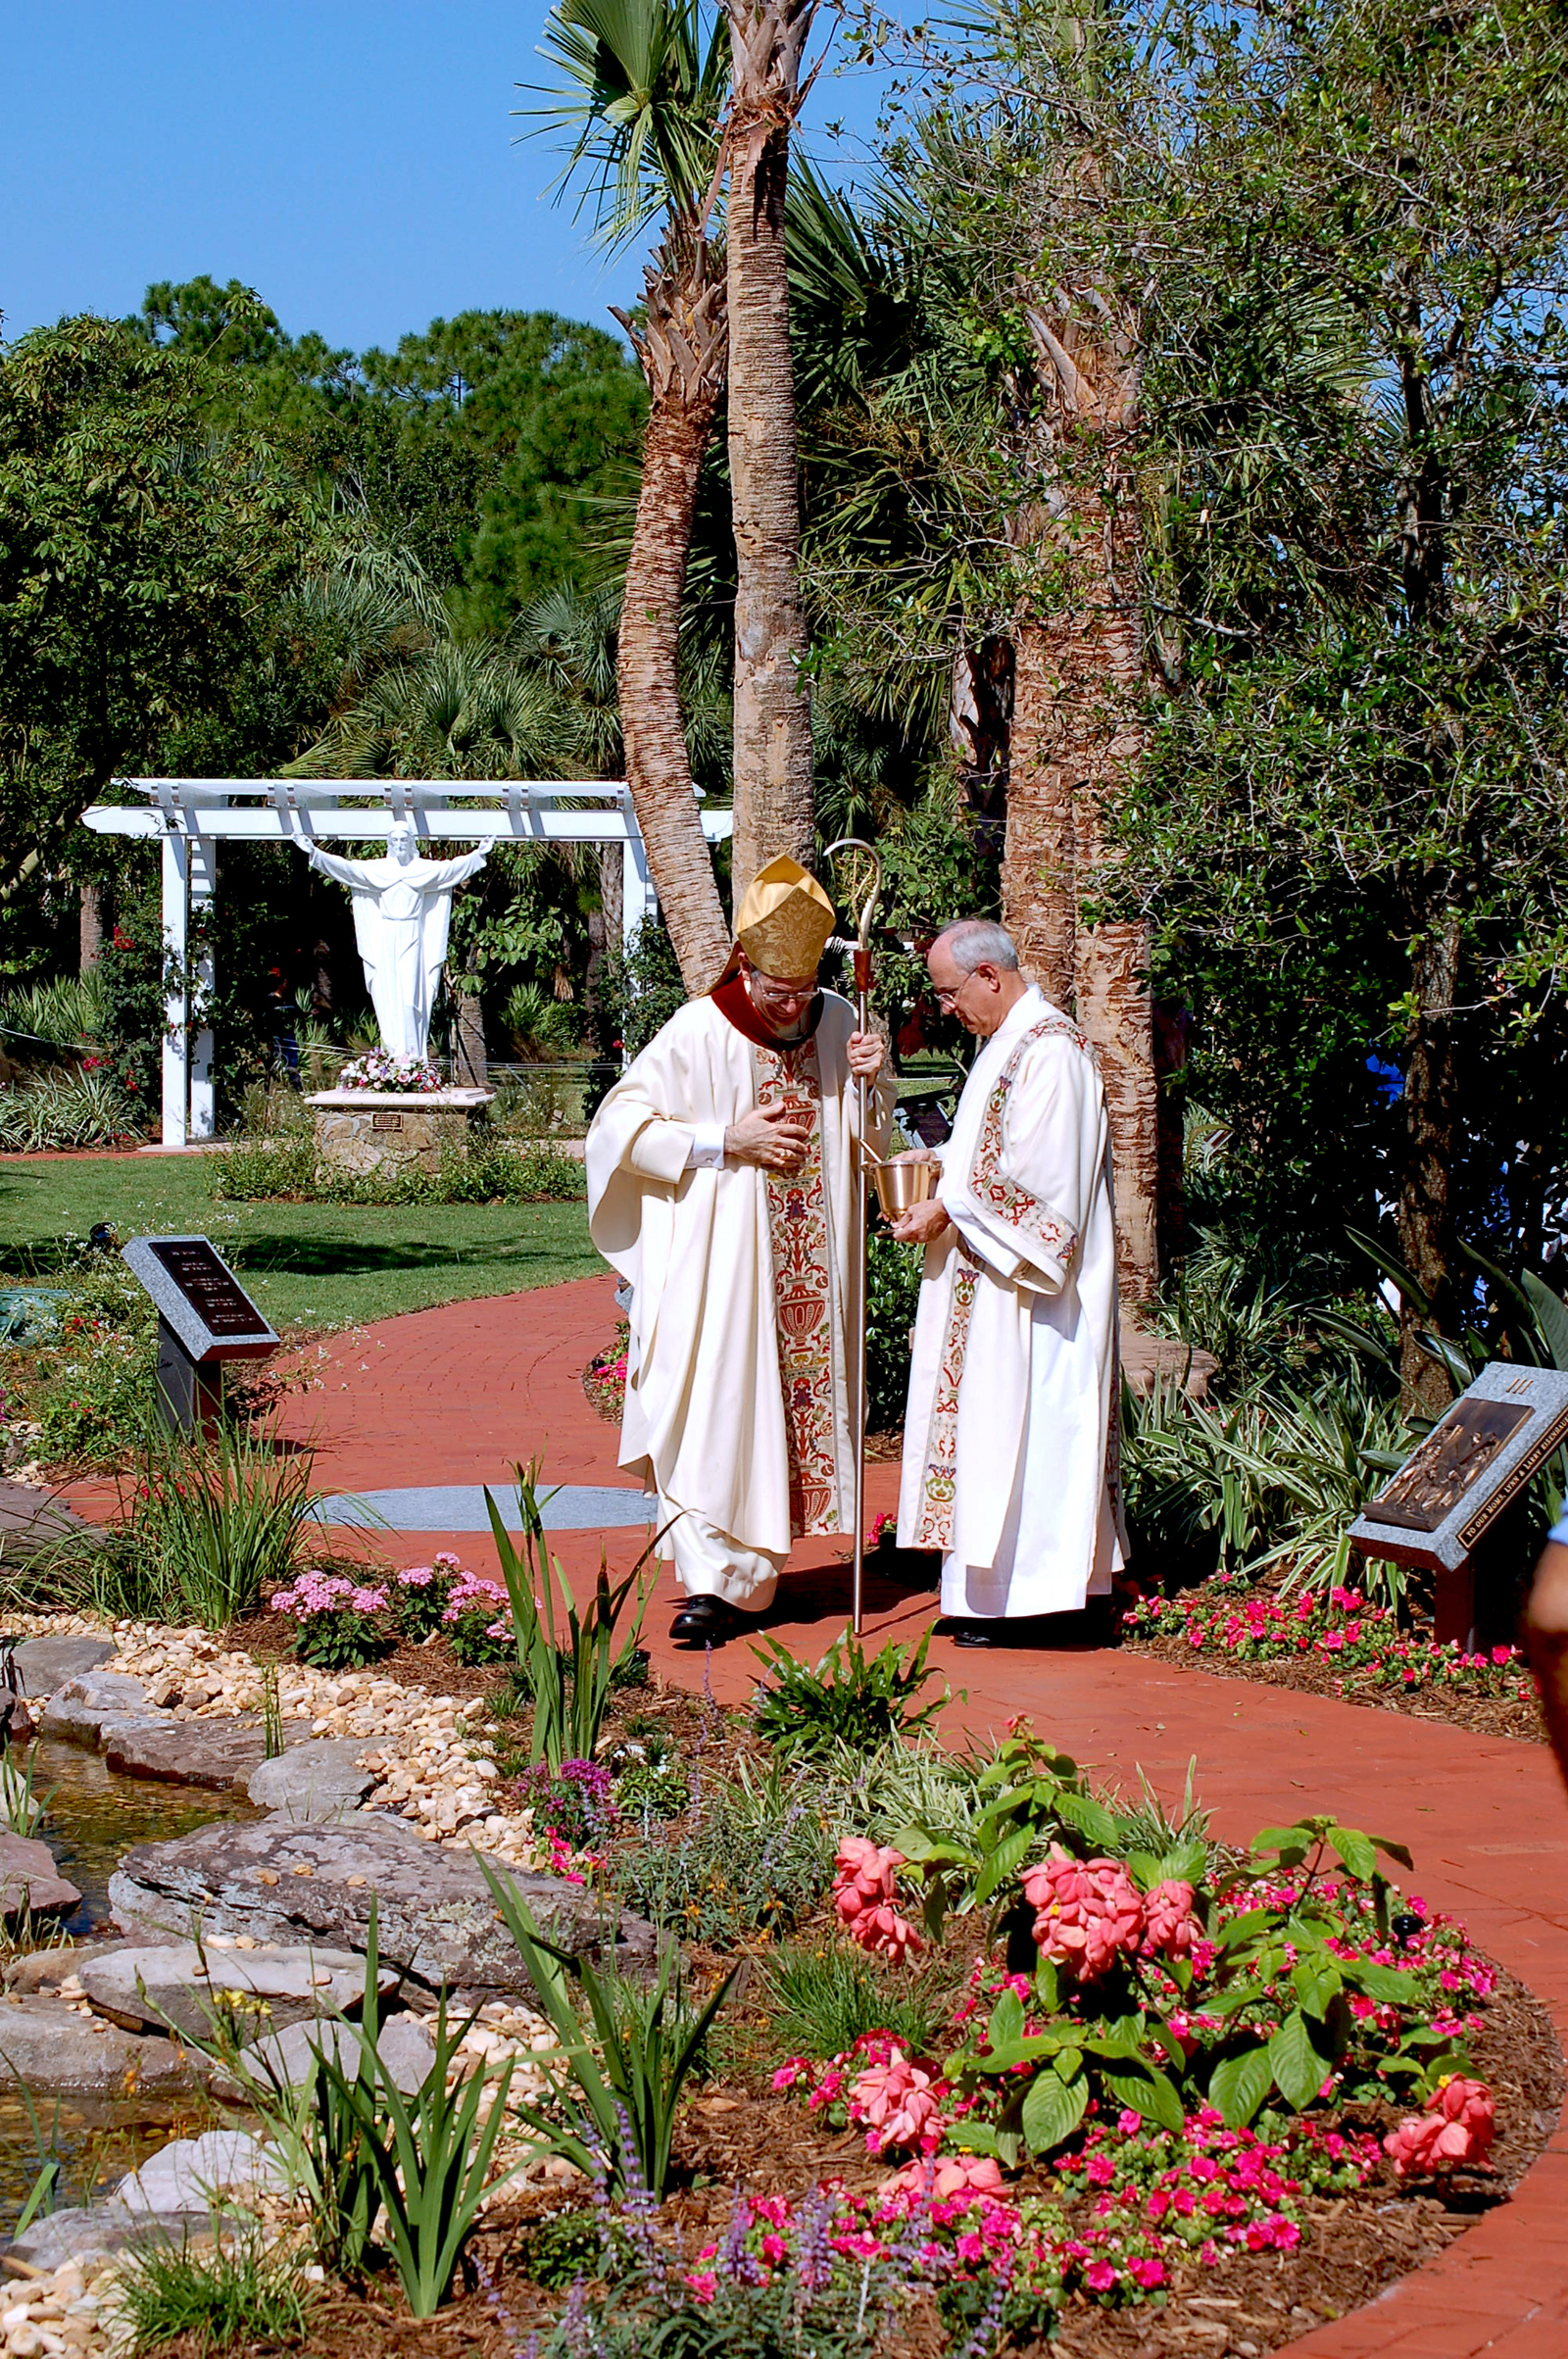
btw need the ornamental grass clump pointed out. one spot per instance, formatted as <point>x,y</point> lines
<point>214,1525</point>
<point>569,1666</point>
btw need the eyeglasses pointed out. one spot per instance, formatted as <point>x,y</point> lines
<point>781,994</point>
<point>947,1000</point>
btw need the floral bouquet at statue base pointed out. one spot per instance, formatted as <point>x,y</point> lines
<point>398,1076</point>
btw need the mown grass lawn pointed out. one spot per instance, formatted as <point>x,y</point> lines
<point>306,1265</point>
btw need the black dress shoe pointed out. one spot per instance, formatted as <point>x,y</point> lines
<point>977,1633</point>
<point>708,1622</point>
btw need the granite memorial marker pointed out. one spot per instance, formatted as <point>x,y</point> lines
<point>204,1320</point>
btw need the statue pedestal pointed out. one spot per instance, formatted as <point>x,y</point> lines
<point>390,1131</point>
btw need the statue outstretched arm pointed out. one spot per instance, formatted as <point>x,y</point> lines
<point>345,872</point>
<point>454,872</point>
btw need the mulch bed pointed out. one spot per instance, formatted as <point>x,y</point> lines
<point>739,2132</point>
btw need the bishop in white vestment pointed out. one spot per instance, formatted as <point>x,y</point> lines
<point>1010,1438</point>
<point>721,1186</point>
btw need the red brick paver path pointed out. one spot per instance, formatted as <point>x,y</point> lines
<point>455,1395</point>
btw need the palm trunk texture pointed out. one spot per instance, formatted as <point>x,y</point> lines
<point>1431,1107</point>
<point>1077,736</point>
<point>774,807</point>
<point>682,346</point>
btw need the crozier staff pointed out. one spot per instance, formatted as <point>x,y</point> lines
<point>721,1186</point>
<point>1010,1442</point>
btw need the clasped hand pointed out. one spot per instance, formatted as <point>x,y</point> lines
<point>773,1137</point>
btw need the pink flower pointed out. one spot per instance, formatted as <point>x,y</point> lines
<point>897,2102</point>
<point>1170,1926</point>
<point>864,1890</point>
<point>1087,1913</point>
<point>1148,2274</point>
<point>1458,2126</point>
<point>972,2175</point>
<point>1100,2277</point>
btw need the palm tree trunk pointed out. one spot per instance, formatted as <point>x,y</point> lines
<point>1077,737</point>
<point>681,345</point>
<point>1039,885</point>
<point>774,810</point>
<point>1431,1107</point>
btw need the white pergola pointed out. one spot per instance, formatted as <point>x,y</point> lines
<point>191,816</point>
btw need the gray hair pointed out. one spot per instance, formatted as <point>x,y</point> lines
<point>973,941</point>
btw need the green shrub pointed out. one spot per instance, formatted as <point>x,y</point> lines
<point>488,1170</point>
<point>235,2293</point>
<point>66,1013</point>
<point>892,1297</point>
<point>845,1699</point>
<point>755,1858</point>
<point>539,1024</point>
<point>85,1107</point>
<point>557,2252</point>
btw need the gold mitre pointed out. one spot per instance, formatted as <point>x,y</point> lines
<point>784,921</point>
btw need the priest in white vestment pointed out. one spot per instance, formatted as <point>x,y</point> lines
<point>721,1186</point>
<point>1010,1438</point>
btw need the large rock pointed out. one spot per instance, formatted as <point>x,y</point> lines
<point>58,2052</point>
<point>284,2060</point>
<point>284,1881</point>
<point>96,2231</point>
<point>44,1664</point>
<point>84,1709</point>
<point>30,1877</point>
<point>216,1754</point>
<point>184,2176</point>
<point>181,1987</point>
<point>315,1780</point>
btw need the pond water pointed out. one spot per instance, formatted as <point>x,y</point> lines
<point>93,1817</point>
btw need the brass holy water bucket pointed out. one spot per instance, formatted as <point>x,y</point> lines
<point>899,1186</point>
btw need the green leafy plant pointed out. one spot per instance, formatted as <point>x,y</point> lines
<point>21,1809</point>
<point>570,1667</point>
<point>845,1699</point>
<point>423,2164</point>
<point>617,2115</point>
<point>237,2291</point>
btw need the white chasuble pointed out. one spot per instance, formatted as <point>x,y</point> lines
<point>739,1387</point>
<point>1010,1438</point>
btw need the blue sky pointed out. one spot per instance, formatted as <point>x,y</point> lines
<point>358,166</point>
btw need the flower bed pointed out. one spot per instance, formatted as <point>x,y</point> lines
<point>604,1379</point>
<point>1337,1643</point>
<point>398,1076</point>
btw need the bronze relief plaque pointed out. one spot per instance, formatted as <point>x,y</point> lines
<point>1454,1455</point>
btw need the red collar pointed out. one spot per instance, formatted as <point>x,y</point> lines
<point>734,1003</point>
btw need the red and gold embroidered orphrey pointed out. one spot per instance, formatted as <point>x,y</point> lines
<point>1020,1210</point>
<point>803,1300</point>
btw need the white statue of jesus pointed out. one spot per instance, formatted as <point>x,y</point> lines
<point>402,912</point>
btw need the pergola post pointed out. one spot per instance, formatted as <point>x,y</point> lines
<point>637,900</point>
<point>177,1037</point>
<point>203,870</point>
